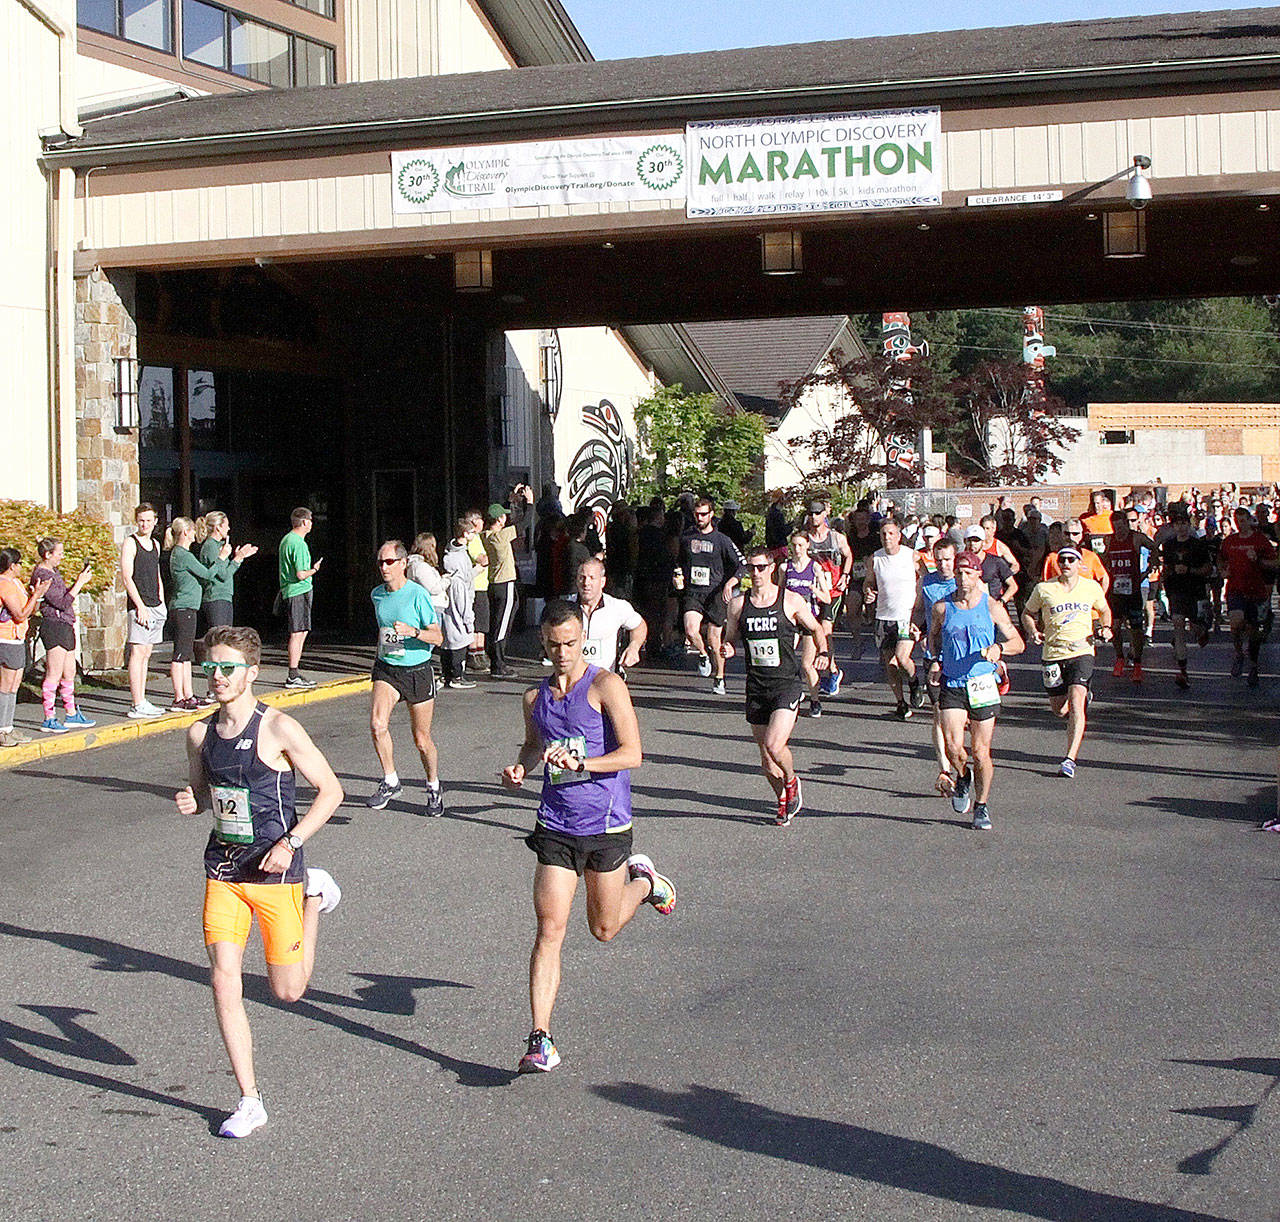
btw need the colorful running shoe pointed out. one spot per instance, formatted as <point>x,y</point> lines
<point>1118,669</point>
<point>51,725</point>
<point>540,1055</point>
<point>1067,768</point>
<point>662,891</point>
<point>79,719</point>
<point>792,796</point>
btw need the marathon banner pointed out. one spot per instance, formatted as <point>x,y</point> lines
<point>815,163</point>
<point>538,173</point>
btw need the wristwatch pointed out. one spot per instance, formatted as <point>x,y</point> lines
<point>294,842</point>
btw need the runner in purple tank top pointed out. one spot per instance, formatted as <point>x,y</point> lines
<point>580,725</point>
<point>806,577</point>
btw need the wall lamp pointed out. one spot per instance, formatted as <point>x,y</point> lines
<point>781,253</point>
<point>126,394</point>
<point>473,271</point>
<point>1124,234</point>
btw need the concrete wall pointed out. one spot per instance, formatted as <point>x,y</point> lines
<point>30,103</point>
<point>1175,456</point>
<point>387,39</point>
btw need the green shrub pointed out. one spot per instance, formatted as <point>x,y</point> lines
<point>23,524</point>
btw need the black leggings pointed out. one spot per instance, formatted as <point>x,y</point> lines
<point>453,662</point>
<point>502,605</point>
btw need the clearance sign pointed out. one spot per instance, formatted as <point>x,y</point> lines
<point>814,163</point>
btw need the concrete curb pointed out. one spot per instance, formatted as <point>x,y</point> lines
<point>127,731</point>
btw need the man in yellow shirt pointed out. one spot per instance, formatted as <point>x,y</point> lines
<point>1065,608</point>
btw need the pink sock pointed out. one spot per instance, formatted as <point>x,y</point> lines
<point>67,690</point>
<point>48,694</point>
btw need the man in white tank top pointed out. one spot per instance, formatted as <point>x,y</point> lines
<point>891,589</point>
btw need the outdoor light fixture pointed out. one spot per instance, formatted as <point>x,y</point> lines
<point>781,253</point>
<point>1124,235</point>
<point>473,271</point>
<point>126,394</point>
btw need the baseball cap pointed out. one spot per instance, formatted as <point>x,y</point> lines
<point>733,505</point>
<point>974,532</point>
<point>969,560</point>
<point>817,506</point>
<point>496,510</point>
<point>931,531</point>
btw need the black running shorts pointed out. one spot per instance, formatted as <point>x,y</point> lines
<point>763,700</point>
<point>707,603</point>
<point>600,854</point>
<point>1065,673</point>
<point>958,698</point>
<point>413,684</point>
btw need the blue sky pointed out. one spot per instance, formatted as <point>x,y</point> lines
<point>620,29</point>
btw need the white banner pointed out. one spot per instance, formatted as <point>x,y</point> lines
<point>815,163</point>
<point>536,173</point>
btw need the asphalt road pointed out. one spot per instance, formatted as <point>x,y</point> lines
<point>874,1013</point>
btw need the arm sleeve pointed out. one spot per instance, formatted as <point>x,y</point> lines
<point>61,598</point>
<point>731,558</point>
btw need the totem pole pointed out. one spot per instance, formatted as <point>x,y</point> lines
<point>895,334</point>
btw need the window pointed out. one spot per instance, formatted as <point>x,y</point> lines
<point>323,7</point>
<point>148,22</point>
<point>222,39</point>
<point>1116,437</point>
<point>155,407</point>
<point>206,411</point>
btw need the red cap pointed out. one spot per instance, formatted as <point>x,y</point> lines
<point>969,560</point>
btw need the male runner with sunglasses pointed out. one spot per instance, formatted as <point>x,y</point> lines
<point>241,763</point>
<point>1066,607</point>
<point>766,620</point>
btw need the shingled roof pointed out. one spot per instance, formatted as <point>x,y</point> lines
<point>1011,61</point>
<point>755,357</point>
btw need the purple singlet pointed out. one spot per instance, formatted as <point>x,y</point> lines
<point>580,803</point>
<point>801,581</point>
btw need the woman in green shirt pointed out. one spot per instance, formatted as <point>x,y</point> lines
<point>187,580</point>
<point>213,532</point>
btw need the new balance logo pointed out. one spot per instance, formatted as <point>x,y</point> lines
<point>245,744</point>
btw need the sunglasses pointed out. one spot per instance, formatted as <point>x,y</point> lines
<point>225,669</point>
<point>389,560</point>
<point>760,568</point>
<point>1068,560</point>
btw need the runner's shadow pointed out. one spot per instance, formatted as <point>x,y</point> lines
<point>726,1119</point>
<point>1240,1116</point>
<point>384,994</point>
<point>1254,810</point>
<point>129,785</point>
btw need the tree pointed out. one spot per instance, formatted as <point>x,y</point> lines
<point>872,430</point>
<point>687,443</point>
<point>1000,435</point>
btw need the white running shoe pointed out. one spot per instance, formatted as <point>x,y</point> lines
<point>144,710</point>
<point>704,666</point>
<point>320,882</point>
<point>248,1116</point>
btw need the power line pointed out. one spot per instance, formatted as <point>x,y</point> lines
<point>1139,324</point>
<point>1146,360</point>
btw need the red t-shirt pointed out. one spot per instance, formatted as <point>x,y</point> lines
<point>1240,556</point>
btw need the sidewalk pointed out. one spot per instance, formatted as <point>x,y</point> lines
<point>339,668</point>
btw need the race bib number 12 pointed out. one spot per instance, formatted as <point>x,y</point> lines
<point>232,820</point>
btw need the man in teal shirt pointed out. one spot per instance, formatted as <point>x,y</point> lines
<point>296,572</point>
<point>408,630</point>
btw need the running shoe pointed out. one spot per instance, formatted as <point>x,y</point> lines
<point>792,794</point>
<point>540,1056</point>
<point>1203,639</point>
<point>662,891</point>
<point>51,725</point>
<point>461,683</point>
<point>13,738</point>
<point>917,694</point>
<point>383,794</point>
<point>320,882</point>
<point>781,819</point>
<point>1067,768</point>
<point>825,685</point>
<point>299,681</point>
<point>1003,682</point>
<point>435,803</point>
<point>981,820</point>
<point>1237,666</point>
<point>962,794</point>
<point>717,687</point>
<point>145,709</point>
<point>1253,677</point>
<point>1118,669</point>
<point>1181,680</point>
<point>248,1116</point>
<point>177,706</point>
<point>837,678</point>
<point>1137,672</point>
<point>903,711</point>
<point>1269,825</point>
<point>815,707</point>
<point>79,719</point>
<point>505,672</point>
<point>704,666</point>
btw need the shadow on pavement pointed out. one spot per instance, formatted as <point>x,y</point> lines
<point>728,1120</point>
<point>1239,1116</point>
<point>382,995</point>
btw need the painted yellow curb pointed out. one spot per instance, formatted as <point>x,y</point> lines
<point>127,731</point>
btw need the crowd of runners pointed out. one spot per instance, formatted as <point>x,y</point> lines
<point>944,606</point>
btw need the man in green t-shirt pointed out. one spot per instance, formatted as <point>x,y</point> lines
<point>296,572</point>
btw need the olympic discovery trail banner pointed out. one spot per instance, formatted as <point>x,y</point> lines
<point>815,163</point>
<point>537,173</point>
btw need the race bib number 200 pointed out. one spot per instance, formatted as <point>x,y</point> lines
<point>983,691</point>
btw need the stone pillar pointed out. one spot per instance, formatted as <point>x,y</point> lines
<point>108,484</point>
